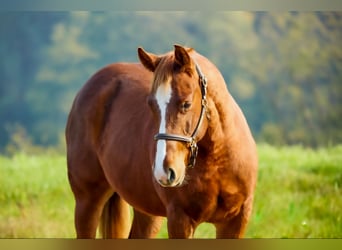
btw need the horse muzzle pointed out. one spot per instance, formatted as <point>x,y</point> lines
<point>169,179</point>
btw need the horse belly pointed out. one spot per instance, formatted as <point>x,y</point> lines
<point>128,168</point>
<point>127,148</point>
<point>136,188</point>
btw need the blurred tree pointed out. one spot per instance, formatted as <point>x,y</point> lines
<point>22,36</point>
<point>284,68</point>
<point>305,65</point>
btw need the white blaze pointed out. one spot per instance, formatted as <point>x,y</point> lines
<point>163,96</point>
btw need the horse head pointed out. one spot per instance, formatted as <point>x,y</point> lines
<point>178,103</point>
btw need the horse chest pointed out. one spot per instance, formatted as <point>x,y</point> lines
<point>214,198</point>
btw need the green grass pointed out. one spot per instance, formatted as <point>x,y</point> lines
<point>35,198</point>
<point>299,195</point>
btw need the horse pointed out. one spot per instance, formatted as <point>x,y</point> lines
<point>155,139</point>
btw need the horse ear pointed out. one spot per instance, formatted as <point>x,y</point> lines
<point>149,60</point>
<point>182,57</point>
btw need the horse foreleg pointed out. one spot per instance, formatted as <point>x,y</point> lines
<point>180,225</point>
<point>144,226</point>
<point>236,226</point>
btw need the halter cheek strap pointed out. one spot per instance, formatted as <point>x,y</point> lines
<point>191,141</point>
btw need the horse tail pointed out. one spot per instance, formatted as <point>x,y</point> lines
<point>115,220</point>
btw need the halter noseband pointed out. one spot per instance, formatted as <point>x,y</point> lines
<point>191,141</point>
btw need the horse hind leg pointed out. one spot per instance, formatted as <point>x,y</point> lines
<point>97,204</point>
<point>145,226</point>
<point>87,214</point>
<point>115,219</point>
<point>90,198</point>
<point>91,191</point>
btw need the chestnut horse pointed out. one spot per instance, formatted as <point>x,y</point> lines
<point>165,137</point>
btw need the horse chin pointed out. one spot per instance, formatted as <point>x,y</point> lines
<point>177,183</point>
<point>181,180</point>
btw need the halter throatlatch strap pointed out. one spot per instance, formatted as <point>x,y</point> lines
<point>191,141</point>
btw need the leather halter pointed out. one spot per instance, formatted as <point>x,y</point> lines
<point>191,141</point>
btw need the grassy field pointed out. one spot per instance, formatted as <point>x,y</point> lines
<point>299,195</point>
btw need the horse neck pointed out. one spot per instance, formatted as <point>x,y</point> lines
<point>224,114</point>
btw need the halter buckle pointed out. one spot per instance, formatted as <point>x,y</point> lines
<point>193,153</point>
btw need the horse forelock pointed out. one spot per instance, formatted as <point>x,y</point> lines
<point>163,72</point>
<point>166,68</point>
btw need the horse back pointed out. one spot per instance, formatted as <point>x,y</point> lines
<point>93,104</point>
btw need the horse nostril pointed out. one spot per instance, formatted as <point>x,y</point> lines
<point>171,175</point>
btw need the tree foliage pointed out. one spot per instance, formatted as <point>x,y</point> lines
<point>283,68</point>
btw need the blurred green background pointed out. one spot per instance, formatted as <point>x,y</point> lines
<point>283,68</point>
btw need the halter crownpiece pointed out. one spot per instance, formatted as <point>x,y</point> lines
<point>191,141</point>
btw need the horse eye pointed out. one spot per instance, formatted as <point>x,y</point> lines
<point>185,106</point>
